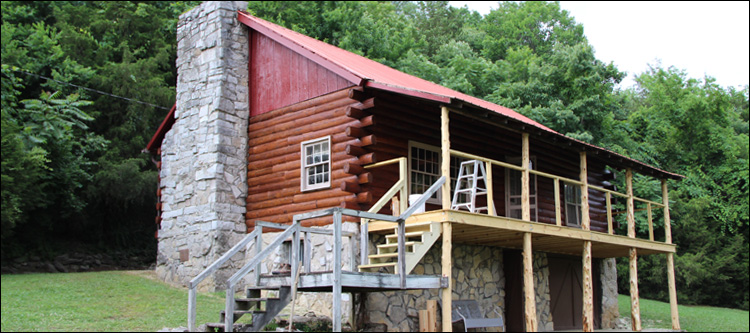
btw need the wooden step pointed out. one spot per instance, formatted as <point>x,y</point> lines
<point>407,235</point>
<point>383,255</point>
<point>385,264</point>
<point>395,245</point>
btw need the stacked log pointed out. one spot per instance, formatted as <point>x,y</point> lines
<point>274,160</point>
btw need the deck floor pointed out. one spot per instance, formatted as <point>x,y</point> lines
<point>482,229</point>
<point>355,281</point>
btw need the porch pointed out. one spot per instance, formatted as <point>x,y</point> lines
<point>555,234</point>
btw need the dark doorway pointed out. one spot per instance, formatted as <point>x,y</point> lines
<point>513,269</point>
<point>566,292</point>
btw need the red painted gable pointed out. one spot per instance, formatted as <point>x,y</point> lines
<point>280,77</point>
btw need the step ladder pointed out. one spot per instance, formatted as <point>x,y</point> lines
<point>419,239</point>
<point>467,186</point>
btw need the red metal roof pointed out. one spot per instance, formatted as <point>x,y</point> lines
<point>165,126</point>
<point>368,73</point>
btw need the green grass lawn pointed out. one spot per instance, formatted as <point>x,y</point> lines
<point>98,301</point>
<point>655,314</point>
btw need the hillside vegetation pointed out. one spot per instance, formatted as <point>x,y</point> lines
<point>72,167</point>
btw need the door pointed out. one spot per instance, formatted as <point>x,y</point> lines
<point>566,292</point>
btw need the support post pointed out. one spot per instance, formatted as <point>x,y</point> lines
<point>258,249</point>
<point>447,266</point>
<point>191,309</point>
<point>635,307</point>
<point>445,166</point>
<point>336,271</point>
<point>588,284</point>
<point>403,172</point>
<point>670,258</point>
<point>446,260</point>
<point>525,204</point>
<point>610,230</point>
<point>528,285</point>
<point>558,210</point>
<point>490,194</point>
<point>630,204</point>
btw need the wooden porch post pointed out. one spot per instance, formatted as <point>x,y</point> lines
<point>588,284</point>
<point>670,258</point>
<point>635,308</point>
<point>446,259</point>
<point>528,268</point>
<point>525,205</point>
<point>528,285</point>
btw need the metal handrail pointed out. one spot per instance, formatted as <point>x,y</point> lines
<point>192,298</point>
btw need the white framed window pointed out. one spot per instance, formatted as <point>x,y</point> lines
<point>572,205</point>
<point>424,169</point>
<point>513,190</point>
<point>315,171</point>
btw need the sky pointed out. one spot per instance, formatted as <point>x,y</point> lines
<point>701,38</point>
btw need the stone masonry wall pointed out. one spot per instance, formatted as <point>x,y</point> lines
<point>477,274</point>
<point>610,309</point>
<point>541,288</point>
<point>321,260</point>
<point>203,175</point>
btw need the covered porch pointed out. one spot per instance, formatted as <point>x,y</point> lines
<point>554,235</point>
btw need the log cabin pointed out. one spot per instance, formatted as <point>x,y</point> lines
<point>285,150</point>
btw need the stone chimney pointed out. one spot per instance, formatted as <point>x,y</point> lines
<point>204,164</point>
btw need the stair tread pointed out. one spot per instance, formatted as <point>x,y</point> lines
<point>265,287</point>
<point>408,234</point>
<point>386,264</point>
<point>256,299</point>
<point>389,245</point>
<point>384,255</point>
<point>245,311</point>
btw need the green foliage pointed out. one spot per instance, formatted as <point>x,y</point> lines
<point>59,179</point>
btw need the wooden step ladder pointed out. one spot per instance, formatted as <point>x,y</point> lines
<point>467,186</point>
<point>419,239</point>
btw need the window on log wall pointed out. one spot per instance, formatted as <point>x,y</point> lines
<point>316,164</point>
<point>424,169</point>
<point>513,190</point>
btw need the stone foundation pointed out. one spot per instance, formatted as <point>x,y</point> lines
<point>477,275</point>
<point>203,175</point>
<point>610,309</point>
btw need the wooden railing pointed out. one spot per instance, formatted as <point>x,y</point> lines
<point>584,187</point>
<point>400,189</point>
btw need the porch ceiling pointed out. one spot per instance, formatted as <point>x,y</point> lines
<point>480,229</point>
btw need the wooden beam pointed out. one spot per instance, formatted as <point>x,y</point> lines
<point>650,223</point>
<point>446,294</point>
<point>558,212</point>
<point>635,308</point>
<point>672,292</point>
<point>588,289</point>
<point>528,285</point>
<point>630,204</point>
<point>432,315</point>
<point>336,272</point>
<point>490,194</point>
<point>525,204</point>
<point>445,166</point>
<point>584,177</point>
<point>608,196</point>
<point>670,258</point>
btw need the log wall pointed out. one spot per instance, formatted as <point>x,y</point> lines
<point>273,172</point>
<point>399,121</point>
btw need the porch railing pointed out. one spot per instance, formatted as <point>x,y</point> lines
<point>584,186</point>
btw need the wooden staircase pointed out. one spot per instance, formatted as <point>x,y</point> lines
<point>261,309</point>
<point>419,239</point>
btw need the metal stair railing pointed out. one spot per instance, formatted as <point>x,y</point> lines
<point>193,284</point>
